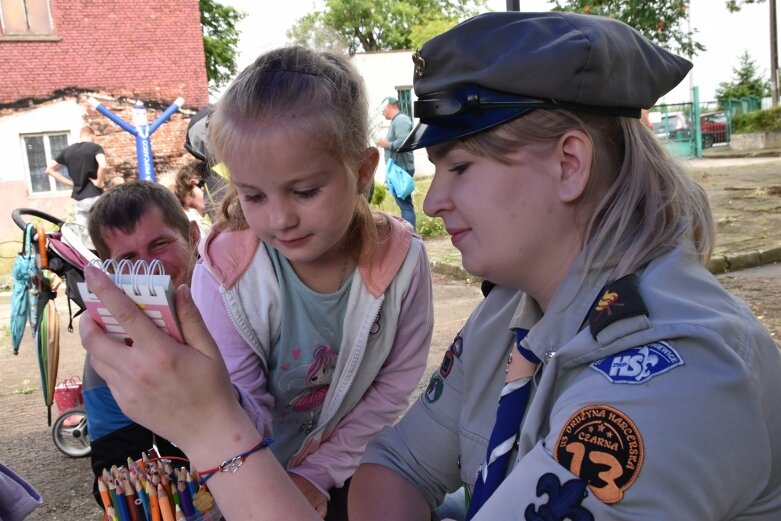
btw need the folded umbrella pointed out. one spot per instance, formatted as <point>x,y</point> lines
<point>24,272</point>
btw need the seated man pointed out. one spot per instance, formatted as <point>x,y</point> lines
<point>134,221</point>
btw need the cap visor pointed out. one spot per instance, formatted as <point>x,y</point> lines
<point>433,131</point>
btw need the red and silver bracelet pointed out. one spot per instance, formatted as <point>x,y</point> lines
<point>233,464</point>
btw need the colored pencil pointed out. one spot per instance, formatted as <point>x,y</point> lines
<point>103,489</point>
<point>154,502</point>
<point>141,493</point>
<point>130,498</point>
<point>166,510</point>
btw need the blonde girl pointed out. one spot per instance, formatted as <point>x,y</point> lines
<point>298,266</point>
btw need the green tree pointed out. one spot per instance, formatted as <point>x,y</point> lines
<point>220,38</point>
<point>371,25</point>
<point>747,82</point>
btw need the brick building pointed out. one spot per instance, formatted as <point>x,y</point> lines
<point>57,54</point>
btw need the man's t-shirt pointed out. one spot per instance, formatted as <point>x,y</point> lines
<point>82,166</point>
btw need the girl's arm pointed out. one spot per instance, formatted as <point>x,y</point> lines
<point>247,370</point>
<point>183,392</point>
<point>336,459</point>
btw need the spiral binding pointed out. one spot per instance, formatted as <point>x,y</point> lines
<point>136,269</point>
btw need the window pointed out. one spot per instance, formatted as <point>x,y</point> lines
<point>39,150</point>
<point>26,17</point>
<point>404,95</point>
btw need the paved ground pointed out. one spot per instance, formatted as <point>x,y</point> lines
<point>745,196</point>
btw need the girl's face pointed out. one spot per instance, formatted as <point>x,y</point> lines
<point>295,196</point>
<point>508,220</point>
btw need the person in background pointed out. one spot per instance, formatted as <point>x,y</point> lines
<point>139,220</point>
<point>187,184</point>
<point>86,164</point>
<point>400,127</point>
<point>626,367</point>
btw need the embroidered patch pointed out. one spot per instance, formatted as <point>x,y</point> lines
<point>447,364</point>
<point>563,500</point>
<point>620,299</point>
<point>601,445</point>
<point>639,364</point>
<point>457,346</point>
<point>434,390</point>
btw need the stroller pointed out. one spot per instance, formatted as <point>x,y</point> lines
<point>46,261</point>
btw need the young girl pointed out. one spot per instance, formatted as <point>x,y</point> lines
<point>639,388</point>
<point>322,309</point>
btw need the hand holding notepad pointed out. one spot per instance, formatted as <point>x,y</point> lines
<point>147,285</point>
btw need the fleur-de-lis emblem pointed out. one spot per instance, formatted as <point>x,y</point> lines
<point>563,500</point>
<point>420,63</point>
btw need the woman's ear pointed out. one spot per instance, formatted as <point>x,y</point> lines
<point>576,153</point>
<point>371,156</point>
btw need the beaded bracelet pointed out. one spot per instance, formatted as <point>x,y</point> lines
<point>234,463</point>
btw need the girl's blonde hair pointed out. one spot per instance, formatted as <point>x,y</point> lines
<point>641,201</point>
<point>318,92</point>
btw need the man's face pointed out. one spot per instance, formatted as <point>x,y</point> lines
<point>388,111</point>
<point>153,239</point>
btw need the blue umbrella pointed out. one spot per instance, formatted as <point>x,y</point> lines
<point>24,271</point>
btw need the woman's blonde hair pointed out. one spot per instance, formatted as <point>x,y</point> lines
<point>318,92</point>
<point>643,200</point>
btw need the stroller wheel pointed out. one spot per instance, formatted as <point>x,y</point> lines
<point>69,433</point>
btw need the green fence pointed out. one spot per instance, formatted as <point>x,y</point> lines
<point>689,128</point>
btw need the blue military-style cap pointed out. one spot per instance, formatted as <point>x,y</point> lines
<point>496,67</point>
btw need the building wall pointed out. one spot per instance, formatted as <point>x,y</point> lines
<point>69,114</point>
<point>118,51</point>
<point>147,50</point>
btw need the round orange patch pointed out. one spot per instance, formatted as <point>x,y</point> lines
<point>602,446</point>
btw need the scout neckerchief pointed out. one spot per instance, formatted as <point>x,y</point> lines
<point>512,404</point>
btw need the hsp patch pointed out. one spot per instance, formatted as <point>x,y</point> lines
<point>639,364</point>
<point>601,445</point>
<point>434,390</point>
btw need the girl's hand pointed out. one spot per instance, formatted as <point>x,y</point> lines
<point>316,498</point>
<point>181,392</point>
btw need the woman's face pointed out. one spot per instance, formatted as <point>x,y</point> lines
<point>194,198</point>
<point>508,220</point>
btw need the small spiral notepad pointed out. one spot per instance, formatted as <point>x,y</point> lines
<point>149,287</point>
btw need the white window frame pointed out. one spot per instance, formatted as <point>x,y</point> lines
<point>54,189</point>
<point>30,32</point>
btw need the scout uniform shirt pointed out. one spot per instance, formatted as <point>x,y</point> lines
<point>655,399</point>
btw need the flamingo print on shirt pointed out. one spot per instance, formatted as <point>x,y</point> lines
<point>316,384</point>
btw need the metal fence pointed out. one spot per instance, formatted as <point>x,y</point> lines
<point>689,128</point>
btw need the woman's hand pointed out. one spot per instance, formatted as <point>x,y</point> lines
<point>181,392</point>
<point>316,498</point>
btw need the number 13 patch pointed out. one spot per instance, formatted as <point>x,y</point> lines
<point>602,446</point>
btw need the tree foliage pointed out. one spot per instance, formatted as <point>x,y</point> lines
<point>747,82</point>
<point>370,25</point>
<point>220,38</point>
<point>735,5</point>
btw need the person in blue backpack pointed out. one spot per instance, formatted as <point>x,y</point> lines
<point>400,127</point>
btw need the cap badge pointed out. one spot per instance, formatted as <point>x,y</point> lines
<point>420,64</point>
